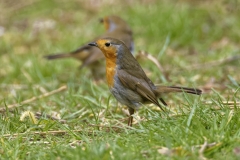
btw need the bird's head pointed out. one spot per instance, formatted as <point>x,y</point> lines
<point>112,23</point>
<point>110,47</point>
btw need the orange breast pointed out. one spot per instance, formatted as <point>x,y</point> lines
<point>110,71</point>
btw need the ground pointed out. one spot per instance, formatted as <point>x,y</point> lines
<point>57,111</point>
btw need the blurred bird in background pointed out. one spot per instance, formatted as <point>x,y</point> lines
<point>91,56</point>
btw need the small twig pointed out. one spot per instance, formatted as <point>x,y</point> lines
<point>214,63</point>
<point>202,149</point>
<point>204,65</point>
<point>230,104</point>
<point>15,105</point>
<point>60,132</point>
<point>151,58</point>
<point>54,133</point>
<point>219,108</point>
<point>224,102</point>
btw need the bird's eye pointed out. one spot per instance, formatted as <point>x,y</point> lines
<point>107,44</point>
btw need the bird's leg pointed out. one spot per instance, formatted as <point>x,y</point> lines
<point>130,120</point>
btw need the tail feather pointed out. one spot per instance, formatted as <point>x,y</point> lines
<point>163,102</point>
<point>168,89</point>
<point>57,56</point>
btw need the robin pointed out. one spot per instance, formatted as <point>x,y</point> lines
<point>127,81</point>
<point>90,56</point>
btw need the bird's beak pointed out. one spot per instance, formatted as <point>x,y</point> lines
<point>93,44</point>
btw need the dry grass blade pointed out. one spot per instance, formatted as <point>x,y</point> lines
<point>61,132</point>
<point>202,149</point>
<point>151,58</point>
<point>215,63</point>
<point>224,102</point>
<point>54,133</point>
<point>230,104</point>
<point>15,105</point>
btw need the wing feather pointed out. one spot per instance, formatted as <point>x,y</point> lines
<point>141,86</point>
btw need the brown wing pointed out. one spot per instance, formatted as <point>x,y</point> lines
<point>138,85</point>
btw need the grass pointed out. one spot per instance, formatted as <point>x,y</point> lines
<point>188,37</point>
